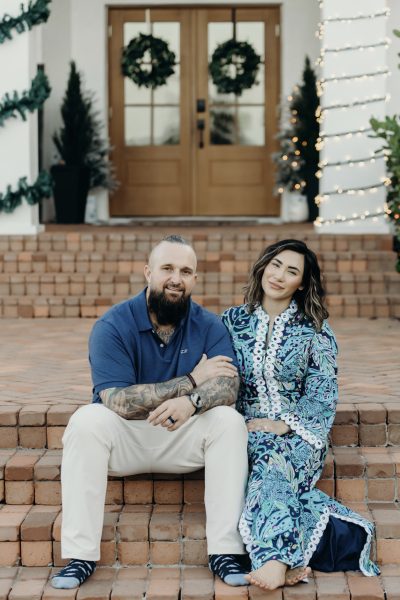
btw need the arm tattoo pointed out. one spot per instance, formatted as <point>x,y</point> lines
<point>137,401</point>
<point>219,391</point>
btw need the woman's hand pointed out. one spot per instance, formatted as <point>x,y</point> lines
<point>269,426</point>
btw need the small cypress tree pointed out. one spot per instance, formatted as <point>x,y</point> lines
<point>297,161</point>
<point>74,139</point>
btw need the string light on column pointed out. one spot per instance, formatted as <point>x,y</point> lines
<point>350,160</point>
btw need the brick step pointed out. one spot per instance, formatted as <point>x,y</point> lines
<point>162,534</point>
<point>125,285</point>
<point>366,306</point>
<point>43,425</point>
<point>234,237</point>
<point>350,474</point>
<point>191,583</point>
<point>209,261</point>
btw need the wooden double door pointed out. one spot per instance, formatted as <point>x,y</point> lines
<point>184,148</point>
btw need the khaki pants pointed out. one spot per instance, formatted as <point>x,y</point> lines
<point>97,441</point>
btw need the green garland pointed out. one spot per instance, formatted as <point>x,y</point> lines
<point>29,101</point>
<point>162,61</point>
<point>42,188</point>
<point>245,60</point>
<point>36,13</point>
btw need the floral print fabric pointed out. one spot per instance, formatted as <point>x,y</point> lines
<point>294,379</point>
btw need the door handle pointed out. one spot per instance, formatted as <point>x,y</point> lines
<point>201,124</point>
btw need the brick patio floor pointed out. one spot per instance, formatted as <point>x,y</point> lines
<point>45,361</point>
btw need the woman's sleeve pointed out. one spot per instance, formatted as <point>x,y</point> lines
<point>314,412</point>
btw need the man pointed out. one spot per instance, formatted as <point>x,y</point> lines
<point>163,396</point>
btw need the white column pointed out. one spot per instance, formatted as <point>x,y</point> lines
<point>18,138</point>
<point>354,43</point>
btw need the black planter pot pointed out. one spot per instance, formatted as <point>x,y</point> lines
<point>71,187</point>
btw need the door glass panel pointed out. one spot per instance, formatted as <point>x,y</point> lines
<point>166,126</point>
<point>238,119</point>
<point>152,117</point>
<point>137,126</point>
<point>251,126</point>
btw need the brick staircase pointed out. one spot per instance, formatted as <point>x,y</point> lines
<point>81,274</point>
<point>153,542</point>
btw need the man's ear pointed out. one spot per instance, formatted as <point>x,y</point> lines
<point>147,273</point>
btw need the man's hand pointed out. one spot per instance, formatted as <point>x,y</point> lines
<point>179,409</point>
<point>268,425</point>
<point>209,368</point>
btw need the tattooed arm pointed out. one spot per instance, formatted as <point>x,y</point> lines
<point>218,392</point>
<point>137,401</point>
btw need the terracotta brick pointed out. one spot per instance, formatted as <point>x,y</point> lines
<point>193,491</point>
<point>9,415</point>
<point>168,492</point>
<point>365,588</point>
<point>108,553</point>
<point>138,491</point>
<point>20,466</point>
<point>32,437</point>
<point>19,492</point>
<point>164,583</point>
<point>1,490</point>
<point>387,522</point>
<point>8,437</point>
<point>373,435</point>
<point>350,490</point>
<point>381,490</point>
<point>130,584</point>
<point>33,415</point>
<point>344,435</point>
<point>165,553</point>
<point>394,434</point>
<point>48,492</point>
<point>57,560</point>
<point>393,412</point>
<point>115,492</point>
<point>388,551</point>
<point>165,527</point>
<point>301,592</point>
<point>392,587</point>
<point>328,470</point>
<point>134,526</point>
<point>98,586</point>
<point>194,552</point>
<point>371,414</point>
<point>54,437</point>
<point>11,518</point>
<point>133,553</point>
<point>346,414</point>
<point>331,586</point>
<point>197,584</point>
<point>36,554</point>
<point>48,466</point>
<point>327,486</point>
<point>57,528</point>
<point>194,524</point>
<point>5,586</point>
<point>349,462</point>
<point>9,554</point>
<point>379,465</point>
<point>38,524</point>
<point>5,456</point>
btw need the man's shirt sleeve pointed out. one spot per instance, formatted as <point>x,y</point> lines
<point>110,362</point>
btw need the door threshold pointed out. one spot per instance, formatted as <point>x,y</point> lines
<point>191,221</point>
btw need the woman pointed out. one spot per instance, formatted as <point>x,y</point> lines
<point>286,353</point>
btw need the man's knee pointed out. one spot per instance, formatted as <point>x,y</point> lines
<point>88,419</point>
<point>228,418</point>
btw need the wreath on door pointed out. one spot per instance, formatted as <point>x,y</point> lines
<point>155,71</point>
<point>234,67</point>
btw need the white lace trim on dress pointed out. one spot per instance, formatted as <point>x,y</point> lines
<point>296,426</point>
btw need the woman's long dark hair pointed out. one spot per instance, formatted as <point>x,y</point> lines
<point>310,299</point>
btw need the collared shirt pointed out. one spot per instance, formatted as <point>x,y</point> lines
<point>124,349</point>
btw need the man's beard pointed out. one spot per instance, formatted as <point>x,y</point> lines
<point>167,312</point>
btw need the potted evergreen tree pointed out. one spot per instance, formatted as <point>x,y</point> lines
<point>73,142</point>
<point>297,161</point>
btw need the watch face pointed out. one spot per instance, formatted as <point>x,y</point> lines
<point>195,398</point>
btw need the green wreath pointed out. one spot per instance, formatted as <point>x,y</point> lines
<point>162,61</point>
<point>245,60</point>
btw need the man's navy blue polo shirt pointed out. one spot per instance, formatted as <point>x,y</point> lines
<point>124,350</point>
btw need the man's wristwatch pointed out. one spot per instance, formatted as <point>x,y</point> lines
<point>196,401</point>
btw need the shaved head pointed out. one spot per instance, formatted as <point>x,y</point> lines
<point>159,251</point>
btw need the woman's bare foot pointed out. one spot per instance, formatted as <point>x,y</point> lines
<point>268,577</point>
<point>293,576</point>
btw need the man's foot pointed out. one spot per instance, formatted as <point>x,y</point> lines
<point>293,576</point>
<point>73,574</point>
<point>270,576</point>
<point>231,568</point>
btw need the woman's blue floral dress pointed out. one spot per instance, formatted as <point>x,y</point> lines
<point>293,379</point>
